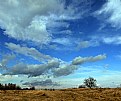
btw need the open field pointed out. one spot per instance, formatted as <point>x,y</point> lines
<point>82,94</point>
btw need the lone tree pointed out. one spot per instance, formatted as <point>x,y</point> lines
<point>90,82</point>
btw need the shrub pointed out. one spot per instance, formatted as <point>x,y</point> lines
<point>90,82</point>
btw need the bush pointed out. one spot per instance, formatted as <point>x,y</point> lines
<point>90,82</point>
<point>82,86</point>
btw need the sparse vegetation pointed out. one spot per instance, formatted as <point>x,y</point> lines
<point>83,94</point>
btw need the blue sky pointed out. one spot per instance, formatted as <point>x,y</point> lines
<point>58,43</point>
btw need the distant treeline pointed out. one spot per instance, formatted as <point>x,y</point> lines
<point>11,86</point>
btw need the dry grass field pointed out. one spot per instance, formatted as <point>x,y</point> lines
<point>82,94</point>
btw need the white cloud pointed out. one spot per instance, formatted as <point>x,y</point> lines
<point>18,17</point>
<point>80,60</point>
<point>58,67</point>
<point>32,52</point>
<point>74,80</point>
<point>86,43</point>
<point>63,41</point>
<point>29,20</point>
<point>44,83</point>
<point>111,10</point>
<point>64,70</point>
<point>57,24</point>
<point>50,66</point>
<point>54,67</point>
<point>112,39</point>
<point>6,59</point>
<point>76,43</point>
<point>18,79</point>
<point>32,70</point>
<point>83,44</point>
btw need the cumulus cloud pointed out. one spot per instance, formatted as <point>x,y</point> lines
<point>111,10</point>
<point>30,20</point>
<point>32,52</point>
<point>50,66</point>
<point>64,70</point>
<point>54,67</point>
<point>80,60</point>
<point>44,83</point>
<point>32,70</point>
<point>26,25</point>
<point>6,59</point>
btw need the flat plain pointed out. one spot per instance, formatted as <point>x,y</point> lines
<point>80,94</point>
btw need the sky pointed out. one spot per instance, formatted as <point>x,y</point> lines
<point>59,43</point>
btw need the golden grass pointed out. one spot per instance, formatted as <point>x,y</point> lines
<point>82,94</point>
